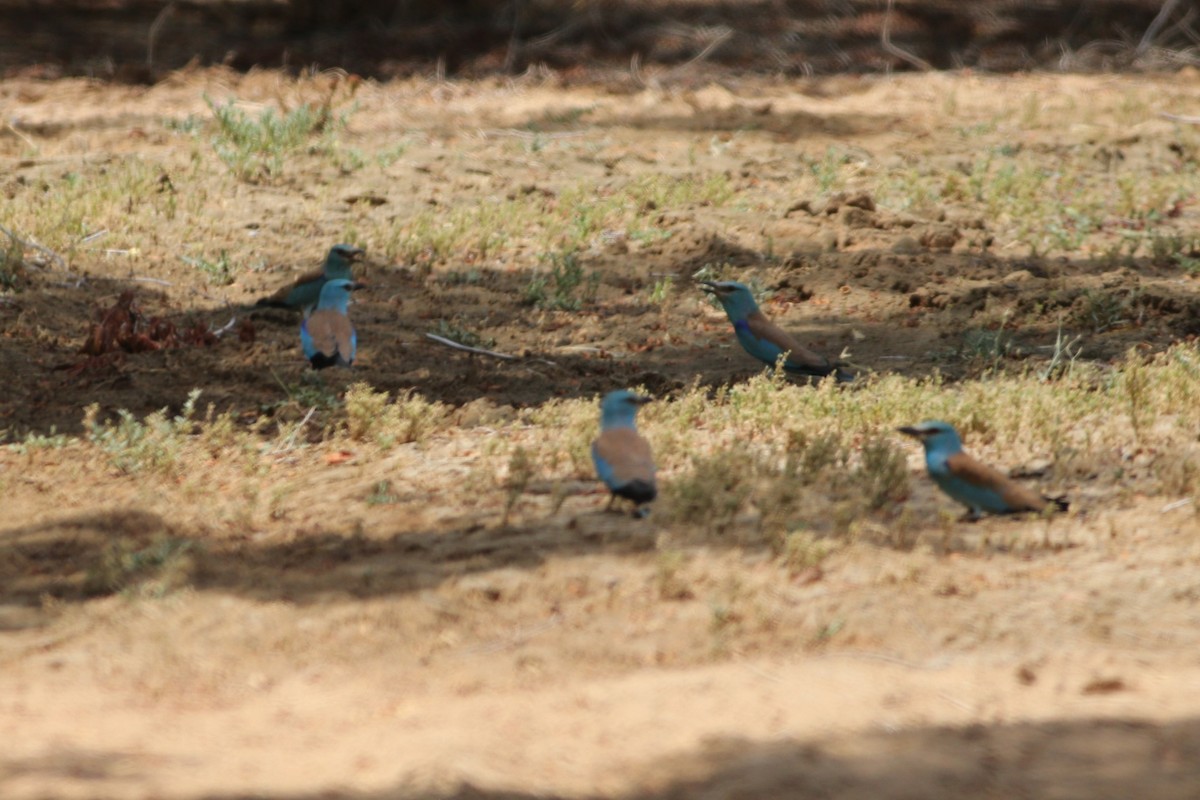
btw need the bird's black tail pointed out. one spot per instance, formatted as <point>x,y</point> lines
<point>639,491</point>
<point>270,302</point>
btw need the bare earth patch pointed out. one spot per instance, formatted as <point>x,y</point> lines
<point>295,587</point>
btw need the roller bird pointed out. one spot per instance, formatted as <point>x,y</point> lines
<point>326,335</point>
<point>977,486</point>
<point>765,340</point>
<point>305,293</point>
<point>622,457</point>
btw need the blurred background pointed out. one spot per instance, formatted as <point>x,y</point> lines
<point>141,40</point>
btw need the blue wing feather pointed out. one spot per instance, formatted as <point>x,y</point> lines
<point>604,470</point>
<point>306,341</point>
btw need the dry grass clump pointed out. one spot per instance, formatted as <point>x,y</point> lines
<point>149,569</point>
<point>372,417</point>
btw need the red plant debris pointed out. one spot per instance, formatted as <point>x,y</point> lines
<point>123,328</point>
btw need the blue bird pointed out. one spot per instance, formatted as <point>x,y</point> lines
<point>622,457</point>
<point>304,294</point>
<point>327,337</point>
<point>977,486</point>
<point>763,339</point>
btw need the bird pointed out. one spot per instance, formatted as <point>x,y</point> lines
<point>622,457</point>
<point>977,486</point>
<point>326,336</point>
<point>765,340</point>
<point>304,294</point>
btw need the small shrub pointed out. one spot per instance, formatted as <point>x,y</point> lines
<point>714,492</point>
<point>220,272</point>
<point>521,469</point>
<point>257,148</point>
<point>370,417</point>
<point>881,476</point>
<point>565,287</point>
<point>155,444</point>
<point>154,570</point>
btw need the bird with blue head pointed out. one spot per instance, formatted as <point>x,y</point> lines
<point>622,457</point>
<point>326,336</point>
<point>975,485</point>
<point>765,340</point>
<point>305,293</point>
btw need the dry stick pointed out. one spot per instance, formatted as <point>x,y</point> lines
<point>23,137</point>
<point>480,351</point>
<point>290,442</point>
<point>155,27</point>
<point>226,328</point>
<point>35,246</point>
<point>703,54</point>
<point>1156,24</point>
<point>1180,118</point>
<point>885,38</point>
<point>467,348</point>
<point>510,55</point>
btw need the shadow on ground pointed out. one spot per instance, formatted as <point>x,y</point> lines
<point>1096,759</point>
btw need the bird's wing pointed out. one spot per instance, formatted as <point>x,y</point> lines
<point>1014,495</point>
<point>763,328</point>
<point>624,456</point>
<point>309,283</point>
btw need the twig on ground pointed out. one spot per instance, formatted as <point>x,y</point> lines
<point>1156,24</point>
<point>530,135</point>
<point>467,348</point>
<point>290,442</point>
<point>717,41</point>
<point>1187,501</point>
<point>22,136</point>
<point>155,27</point>
<point>1180,118</point>
<point>224,329</point>
<point>481,352</point>
<point>159,281</point>
<point>885,39</point>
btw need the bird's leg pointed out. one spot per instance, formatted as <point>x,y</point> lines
<point>612,498</point>
<point>641,512</point>
<point>972,515</point>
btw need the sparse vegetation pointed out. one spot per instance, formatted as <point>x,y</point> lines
<point>155,444</point>
<point>563,286</point>
<point>257,148</point>
<point>372,417</point>
<point>1026,274</point>
<point>219,272</point>
<point>152,570</point>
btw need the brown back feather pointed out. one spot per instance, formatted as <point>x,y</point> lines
<point>330,332</point>
<point>627,453</point>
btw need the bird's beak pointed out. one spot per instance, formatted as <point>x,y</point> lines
<point>708,286</point>
<point>359,285</point>
<point>642,399</point>
<point>909,430</point>
<point>357,254</point>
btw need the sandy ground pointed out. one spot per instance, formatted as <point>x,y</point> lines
<point>324,646</point>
